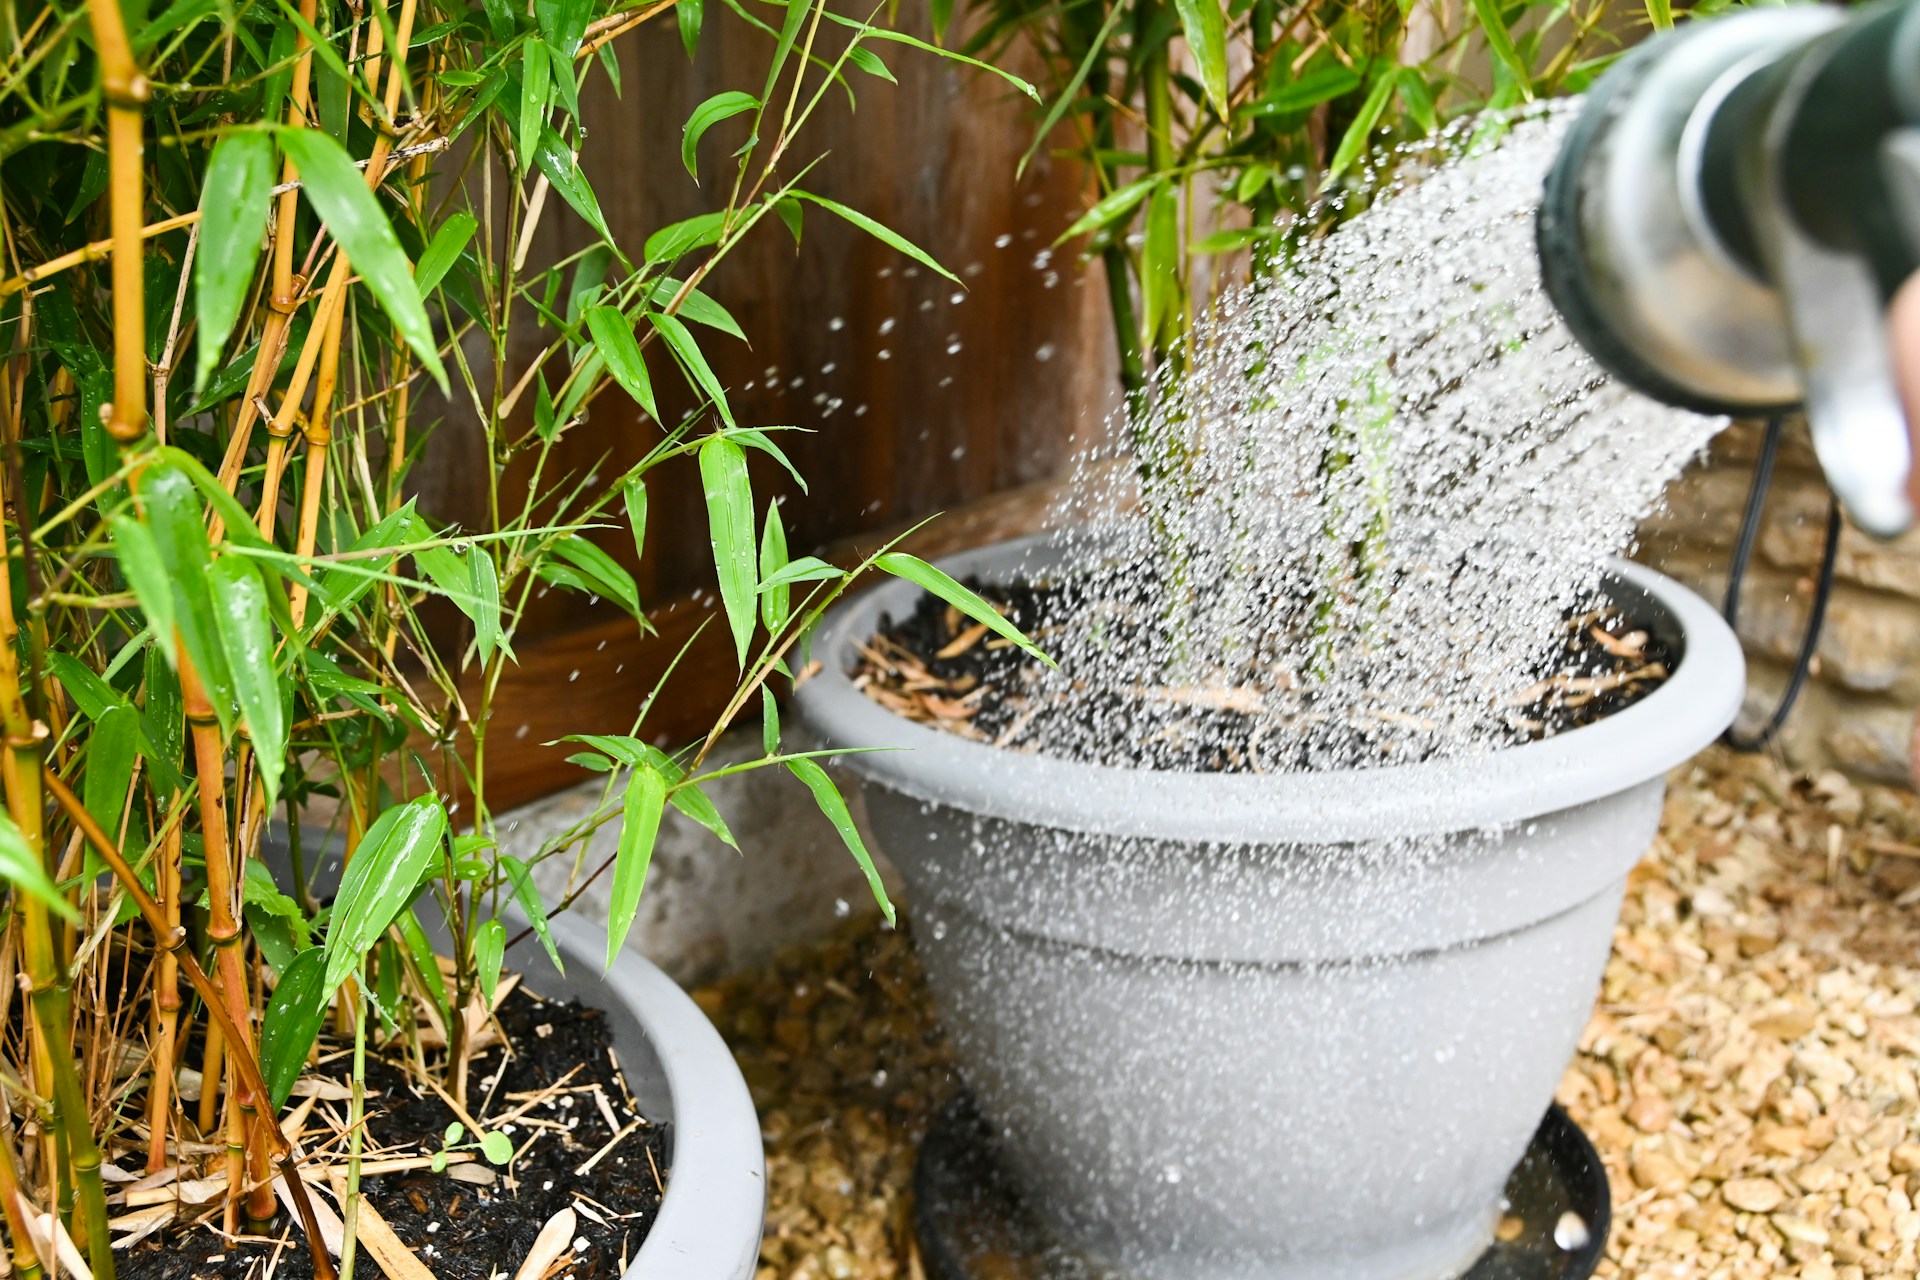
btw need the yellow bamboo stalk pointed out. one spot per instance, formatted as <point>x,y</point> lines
<point>166,1005</point>
<point>223,927</point>
<point>286,286</point>
<point>212,1062</point>
<point>26,1262</point>
<point>126,91</point>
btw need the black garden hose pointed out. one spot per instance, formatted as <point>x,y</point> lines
<point>1737,572</point>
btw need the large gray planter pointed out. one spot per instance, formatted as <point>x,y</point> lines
<point>1286,1027</point>
<point>680,1072</point>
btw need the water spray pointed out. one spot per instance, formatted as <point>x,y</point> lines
<point>1730,217</point>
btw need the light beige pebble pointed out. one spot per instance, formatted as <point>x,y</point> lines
<point>1754,1195</point>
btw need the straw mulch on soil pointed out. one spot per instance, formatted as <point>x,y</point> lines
<point>1749,1074</point>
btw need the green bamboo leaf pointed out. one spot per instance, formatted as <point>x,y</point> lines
<point>729,495</point>
<point>884,234</point>
<point>501,18</point>
<point>486,605</point>
<point>613,339</point>
<point>380,879</point>
<point>1322,84</point>
<point>247,641</point>
<point>755,438</point>
<point>563,23</point>
<point>790,25</point>
<point>178,524</point>
<point>916,570</point>
<point>769,721</point>
<point>602,571</point>
<point>695,306</point>
<point>721,106</point>
<point>1418,97</point>
<point>868,32</point>
<point>776,597</point>
<point>1353,143</point>
<point>424,963</point>
<point>692,14</point>
<point>683,237</point>
<point>234,196</point>
<point>146,575</point>
<point>687,351</point>
<point>805,569</point>
<point>562,171</point>
<point>443,251</point>
<point>489,950</point>
<point>1500,43</point>
<point>1097,49</point>
<point>534,74</point>
<point>634,494</point>
<point>98,700</point>
<point>827,796</point>
<point>694,802</point>
<point>338,192</point>
<point>111,749</point>
<point>869,61</point>
<point>292,1022</point>
<point>1111,208</point>
<point>259,892</point>
<point>639,828</point>
<point>450,575</point>
<point>941,12</point>
<point>789,211</point>
<point>1660,13</point>
<point>1205,24</point>
<point>527,895</point>
<point>342,587</point>
<point>23,872</point>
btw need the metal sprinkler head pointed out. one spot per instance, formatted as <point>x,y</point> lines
<point>1731,216</point>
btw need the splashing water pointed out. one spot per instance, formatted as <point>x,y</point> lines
<point>1386,477</point>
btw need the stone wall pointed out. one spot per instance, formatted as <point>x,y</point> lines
<point>1857,711</point>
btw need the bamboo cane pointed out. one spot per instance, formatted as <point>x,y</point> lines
<point>126,91</point>
<point>26,1262</point>
<point>166,1006</point>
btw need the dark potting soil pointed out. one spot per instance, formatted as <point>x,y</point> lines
<point>459,1230</point>
<point>937,667</point>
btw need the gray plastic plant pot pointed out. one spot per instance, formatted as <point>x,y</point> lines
<point>681,1072</point>
<point>1269,1027</point>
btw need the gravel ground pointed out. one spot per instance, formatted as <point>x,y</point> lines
<point>1749,1074</point>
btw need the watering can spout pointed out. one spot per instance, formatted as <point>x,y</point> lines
<point>1732,214</point>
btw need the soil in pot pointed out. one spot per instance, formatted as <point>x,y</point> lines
<point>937,667</point>
<point>555,1089</point>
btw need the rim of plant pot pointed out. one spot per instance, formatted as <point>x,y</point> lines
<point>715,1204</point>
<point>679,1070</point>
<point>1686,713</point>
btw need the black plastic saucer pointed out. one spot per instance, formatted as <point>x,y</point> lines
<point>973,1226</point>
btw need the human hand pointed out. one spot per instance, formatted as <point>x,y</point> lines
<point>1903,338</point>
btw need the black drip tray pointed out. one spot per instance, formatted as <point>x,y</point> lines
<point>973,1226</point>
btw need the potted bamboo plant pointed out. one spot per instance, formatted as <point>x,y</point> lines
<point>252,253</point>
<point>1219,1021</point>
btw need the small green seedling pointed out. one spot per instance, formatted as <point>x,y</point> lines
<point>496,1146</point>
